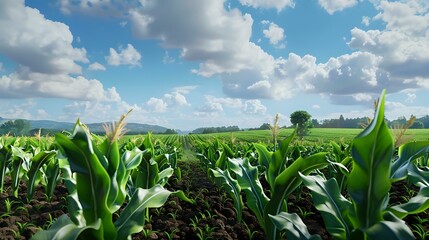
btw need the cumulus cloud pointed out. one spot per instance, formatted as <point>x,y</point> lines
<point>254,106</point>
<point>222,46</point>
<point>214,106</point>
<point>404,44</point>
<point>176,98</point>
<point>96,67</point>
<point>18,85</point>
<point>89,111</point>
<point>277,4</point>
<point>275,34</point>
<point>365,20</point>
<point>46,46</point>
<point>45,58</point>
<point>332,6</point>
<point>104,8</point>
<point>157,104</point>
<point>392,58</point>
<point>127,56</point>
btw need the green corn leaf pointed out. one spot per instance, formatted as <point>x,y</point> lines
<point>148,145</point>
<point>147,174</point>
<point>221,161</point>
<point>229,153</point>
<point>332,205</point>
<point>369,179</point>
<point>164,175</point>
<point>294,227</point>
<point>131,221</point>
<point>418,176</point>
<point>264,156</point>
<point>407,153</point>
<point>132,159</point>
<point>247,177</point>
<point>181,195</point>
<point>392,228</point>
<point>286,183</point>
<point>64,229</point>
<point>232,187</point>
<point>37,162</point>
<point>416,204</point>
<point>5,157</point>
<point>52,173</point>
<point>92,180</point>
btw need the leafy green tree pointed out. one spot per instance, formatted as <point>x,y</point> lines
<point>170,131</point>
<point>265,126</point>
<point>16,127</point>
<point>301,120</point>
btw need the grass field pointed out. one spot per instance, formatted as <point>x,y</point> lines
<point>319,135</point>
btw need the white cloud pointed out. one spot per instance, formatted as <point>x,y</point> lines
<point>104,8</point>
<point>18,110</point>
<point>362,97</point>
<point>277,4</point>
<point>410,97</point>
<point>43,51</point>
<point>254,107</point>
<point>222,46</point>
<point>46,46</point>
<point>332,6</point>
<point>211,107</point>
<point>60,86</point>
<point>365,20</point>
<point>89,112</point>
<point>41,114</point>
<point>157,104</point>
<point>185,89</point>
<point>315,106</point>
<point>97,67</point>
<point>171,100</point>
<point>127,56</point>
<point>167,58</point>
<point>394,110</point>
<point>275,34</point>
<point>176,99</point>
<point>404,44</point>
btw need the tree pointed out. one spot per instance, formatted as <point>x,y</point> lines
<point>15,127</point>
<point>265,126</point>
<point>300,120</point>
<point>170,131</point>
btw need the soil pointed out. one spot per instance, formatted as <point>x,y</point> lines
<point>212,217</point>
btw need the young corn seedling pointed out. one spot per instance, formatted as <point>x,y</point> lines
<point>99,174</point>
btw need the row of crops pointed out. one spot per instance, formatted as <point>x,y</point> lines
<point>113,181</point>
<point>350,184</point>
<point>101,177</point>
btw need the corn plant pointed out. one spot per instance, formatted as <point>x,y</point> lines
<point>281,172</point>
<point>34,174</point>
<point>99,175</point>
<point>6,154</point>
<point>367,214</point>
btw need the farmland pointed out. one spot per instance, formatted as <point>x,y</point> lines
<point>332,184</point>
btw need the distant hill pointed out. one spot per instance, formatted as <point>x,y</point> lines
<point>133,128</point>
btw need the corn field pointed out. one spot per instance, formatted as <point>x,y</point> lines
<point>79,185</point>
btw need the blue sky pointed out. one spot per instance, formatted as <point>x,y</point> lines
<point>186,64</point>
